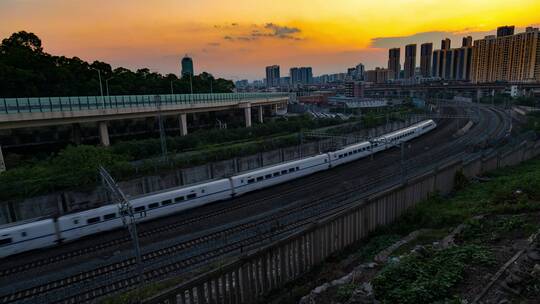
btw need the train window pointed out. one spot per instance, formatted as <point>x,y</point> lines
<point>178,199</point>
<point>291,170</point>
<point>92,220</point>
<point>109,216</point>
<point>297,168</point>
<point>260,178</point>
<point>325,160</point>
<point>192,195</point>
<point>5,241</point>
<point>168,202</point>
<point>251,181</point>
<point>202,190</point>
<point>283,171</point>
<point>350,153</point>
<point>153,205</point>
<point>23,234</point>
<point>276,174</point>
<point>268,176</point>
<point>75,222</point>
<point>139,209</point>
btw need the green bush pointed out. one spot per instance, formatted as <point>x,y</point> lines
<point>417,280</point>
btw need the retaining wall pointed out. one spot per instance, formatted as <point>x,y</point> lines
<point>256,273</point>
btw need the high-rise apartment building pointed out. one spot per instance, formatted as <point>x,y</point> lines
<point>410,61</point>
<point>453,64</point>
<point>445,44</point>
<point>360,69</point>
<point>303,75</point>
<point>513,58</point>
<point>394,63</point>
<point>272,76</point>
<point>426,55</point>
<point>505,31</point>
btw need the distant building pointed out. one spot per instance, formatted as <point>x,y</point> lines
<point>187,66</point>
<point>467,41</point>
<point>453,64</point>
<point>303,75</point>
<point>285,81</point>
<point>426,55</point>
<point>241,84</point>
<point>507,57</point>
<point>354,89</point>
<point>410,61</point>
<point>272,76</point>
<point>351,73</point>
<point>360,69</point>
<point>505,31</point>
<point>446,44</point>
<point>393,63</point>
<point>378,75</point>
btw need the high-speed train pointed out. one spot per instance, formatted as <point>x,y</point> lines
<point>20,237</point>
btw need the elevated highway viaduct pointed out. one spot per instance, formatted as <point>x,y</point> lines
<point>17,113</point>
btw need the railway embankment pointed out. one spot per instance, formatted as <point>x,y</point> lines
<point>479,243</point>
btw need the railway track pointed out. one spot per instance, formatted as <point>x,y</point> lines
<point>129,281</point>
<point>158,230</point>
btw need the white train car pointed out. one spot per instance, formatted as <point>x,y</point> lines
<point>47,232</point>
<point>350,153</point>
<point>273,175</point>
<point>27,236</point>
<point>77,225</point>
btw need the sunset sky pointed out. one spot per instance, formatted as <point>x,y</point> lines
<point>237,38</point>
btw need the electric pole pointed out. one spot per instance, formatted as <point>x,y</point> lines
<point>126,213</point>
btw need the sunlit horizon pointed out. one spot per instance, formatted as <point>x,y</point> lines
<point>237,39</point>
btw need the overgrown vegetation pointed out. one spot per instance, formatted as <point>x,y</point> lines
<point>430,277</point>
<point>419,279</point>
<point>76,167</point>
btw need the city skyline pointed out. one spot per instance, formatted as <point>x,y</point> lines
<point>237,39</point>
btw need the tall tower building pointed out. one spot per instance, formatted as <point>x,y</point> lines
<point>467,41</point>
<point>272,76</point>
<point>360,69</point>
<point>410,61</point>
<point>512,58</point>
<point>446,44</point>
<point>187,66</point>
<point>393,63</point>
<point>426,54</point>
<point>505,31</point>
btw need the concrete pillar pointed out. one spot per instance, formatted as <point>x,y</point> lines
<point>2,163</point>
<point>76,133</point>
<point>261,112</point>
<point>104,134</point>
<point>247,115</point>
<point>183,124</point>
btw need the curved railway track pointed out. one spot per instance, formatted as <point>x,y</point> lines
<point>312,210</point>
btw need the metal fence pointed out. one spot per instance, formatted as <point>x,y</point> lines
<point>81,103</point>
<point>256,273</point>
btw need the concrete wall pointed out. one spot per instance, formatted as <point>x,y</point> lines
<point>260,271</point>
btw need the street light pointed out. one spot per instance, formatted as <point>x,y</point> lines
<point>100,86</point>
<point>107,84</point>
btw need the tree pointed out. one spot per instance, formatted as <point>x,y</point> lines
<point>27,71</point>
